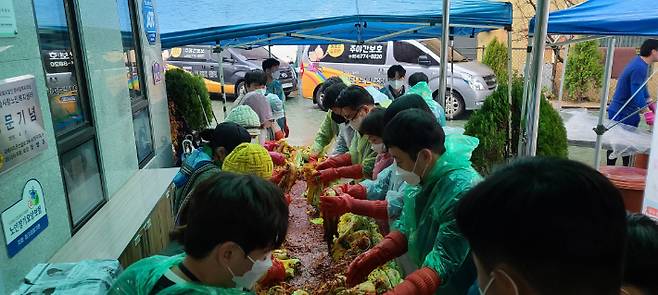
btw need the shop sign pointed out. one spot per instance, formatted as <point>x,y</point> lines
<point>650,206</point>
<point>26,219</point>
<point>150,25</point>
<point>157,71</point>
<point>22,135</point>
<point>7,19</point>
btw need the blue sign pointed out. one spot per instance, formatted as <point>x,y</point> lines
<point>150,25</point>
<point>25,220</point>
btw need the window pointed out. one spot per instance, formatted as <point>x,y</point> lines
<point>408,53</point>
<point>134,73</point>
<point>372,54</point>
<point>67,93</point>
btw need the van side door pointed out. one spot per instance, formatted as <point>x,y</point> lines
<point>414,60</point>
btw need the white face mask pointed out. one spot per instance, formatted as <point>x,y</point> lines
<point>490,283</point>
<point>356,123</point>
<point>260,91</point>
<point>276,74</point>
<point>249,279</point>
<point>378,147</point>
<point>396,84</point>
<point>410,177</point>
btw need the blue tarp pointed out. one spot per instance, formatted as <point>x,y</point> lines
<point>606,17</point>
<point>184,22</point>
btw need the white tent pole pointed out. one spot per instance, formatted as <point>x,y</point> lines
<point>508,148</point>
<point>535,87</point>
<point>600,129</point>
<point>564,73</point>
<point>452,66</point>
<point>220,69</point>
<point>523,117</point>
<point>445,27</point>
<point>578,40</point>
<point>383,37</point>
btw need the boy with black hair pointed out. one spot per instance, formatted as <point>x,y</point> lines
<point>273,86</point>
<point>354,104</point>
<point>545,226</point>
<point>419,84</point>
<point>333,125</point>
<point>255,82</point>
<point>395,85</point>
<point>641,259</point>
<point>234,223</point>
<point>629,83</point>
<point>438,170</point>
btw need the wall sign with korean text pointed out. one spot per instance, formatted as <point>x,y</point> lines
<point>22,135</point>
<point>26,219</point>
<point>7,19</point>
<point>150,24</point>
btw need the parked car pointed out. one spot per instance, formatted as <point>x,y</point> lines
<point>200,60</point>
<point>367,64</point>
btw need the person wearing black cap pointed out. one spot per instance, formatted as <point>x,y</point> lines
<point>206,161</point>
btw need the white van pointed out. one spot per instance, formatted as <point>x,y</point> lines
<point>367,64</point>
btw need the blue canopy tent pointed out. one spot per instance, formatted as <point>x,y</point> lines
<point>593,17</point>
<point>289,22</point>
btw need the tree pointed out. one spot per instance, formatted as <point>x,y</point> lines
<point>495,56</point>
<point>584,69</point>
<point>489,125</point>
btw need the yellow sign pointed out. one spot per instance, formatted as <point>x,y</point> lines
<point>336,50</point>
<point>2,160</point>
<point>176,51</point>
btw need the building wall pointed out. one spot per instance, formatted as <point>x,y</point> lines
<point>101,43</point>
<point>20,56</point>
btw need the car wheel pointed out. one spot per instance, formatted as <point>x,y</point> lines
<point>239,87</point>
<point>455,107</point>
<point>317,98</point>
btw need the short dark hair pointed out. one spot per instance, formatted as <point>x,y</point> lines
<point>244,209</point>
<point>331,94</point>
<point>257,77</point>
<point>405,102</point>
<point>396,69</point>
<point>329,82</point>
<point>413,130</point>
<point>373,123</point>
<point>415,78</point>
<point>227,135</point>
<point>641,258</point>
<point>269,63</point>
<point>648,46</point>
<point>559,223</point>
<point>354,97</point>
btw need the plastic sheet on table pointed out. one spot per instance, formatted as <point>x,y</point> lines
<point>623,140</point>
<point>84,277</point>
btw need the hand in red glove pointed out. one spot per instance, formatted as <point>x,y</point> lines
<point>336,161</point>
<point>339,205</point>
<point>277,176</point>
<point>424,281</point>
<point>313,158</point>
<point>394,245</point>
<point>355,191</point>
<point>276,274</point>
<point>279,135</point>
<point>277,158</point>
<point>331,174</point>
<point>270,145</point>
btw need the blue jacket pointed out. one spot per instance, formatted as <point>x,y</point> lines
<point>629,82</point>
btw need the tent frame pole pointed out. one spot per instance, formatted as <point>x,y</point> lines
<point>377,39</point>
<point>523,117</point>
<point>565,63</point>
<point>445,27</point>
<point>600,129</point>
<point>220,69</point>
<point>508,148</point>
<point>578,40</point>
<point>535,87</point>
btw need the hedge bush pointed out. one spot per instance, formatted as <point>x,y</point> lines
<point>584,69</point>
<point>489,125</point>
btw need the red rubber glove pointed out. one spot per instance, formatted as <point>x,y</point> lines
<point>276,274</point>
<point>288,198</point>
<point>393,245</point>
<point>279,135</point>
<point>331,174</point>
<point>339,205</point>
<point>313,159</point>
<point>277,176</point>
<point>277,158</point>
<point>357,191</point>
<point>270,145</point>
<point>424,281</point>
<point>336,161</point>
